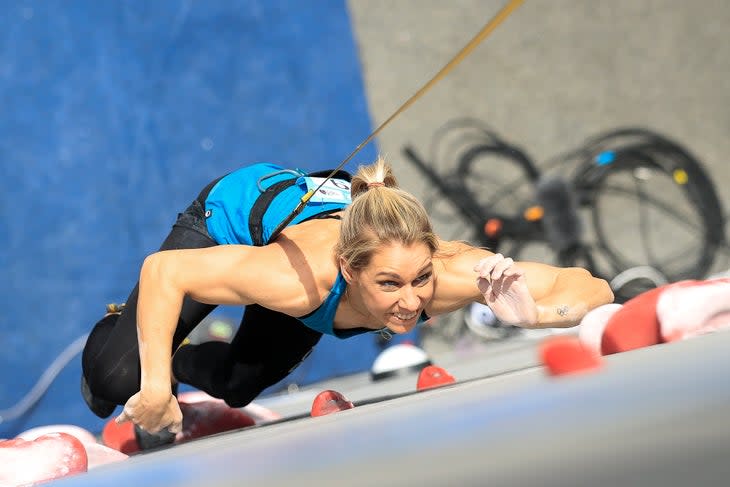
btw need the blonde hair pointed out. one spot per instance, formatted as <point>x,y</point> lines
<point>380,213</point>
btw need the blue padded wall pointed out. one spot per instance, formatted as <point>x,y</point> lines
<point>114,115</point>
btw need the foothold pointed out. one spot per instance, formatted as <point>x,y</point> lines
<point>48,457</point>
<point>202,416</point>
<point>396,360</point>
<point>433,376</point>
<point>694,309</point>
<point>97,454</point>
<point>120,437</point>
<point>633,326</point>
<point>207,418</point>
<point>563,355</point>
<point>328,402</point>
<point>665,314</point>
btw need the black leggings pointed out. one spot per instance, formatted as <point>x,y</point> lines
<point>266,348</point>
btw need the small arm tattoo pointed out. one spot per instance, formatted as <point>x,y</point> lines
<point>563,310</point>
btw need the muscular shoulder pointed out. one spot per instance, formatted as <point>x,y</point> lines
<point>304,255</point>
<point>291,275</point>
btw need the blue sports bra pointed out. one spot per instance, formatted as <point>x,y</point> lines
<point>322,319</point>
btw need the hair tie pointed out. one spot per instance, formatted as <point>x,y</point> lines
<point>375,184</point>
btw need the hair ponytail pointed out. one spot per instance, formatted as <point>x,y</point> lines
<point>375,175</point>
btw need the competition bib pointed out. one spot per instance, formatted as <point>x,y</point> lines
<point>332,191</point>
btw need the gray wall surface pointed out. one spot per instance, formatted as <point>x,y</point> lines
<point>554,73</point>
